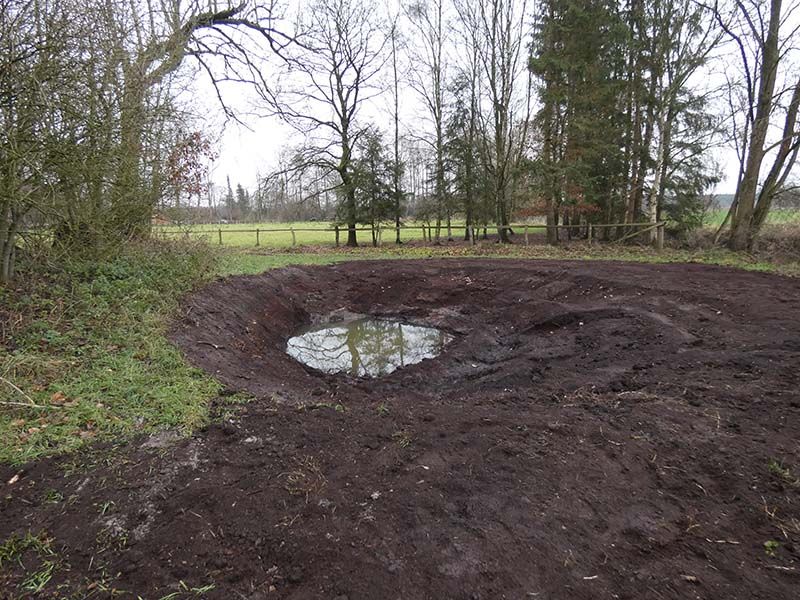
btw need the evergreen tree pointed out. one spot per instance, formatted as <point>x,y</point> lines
<point>620,130</point>
<point>230,201</point>
<point>242,200</point>
<point>373,181</point>
<point>577,57</point>
<point>462,156</point>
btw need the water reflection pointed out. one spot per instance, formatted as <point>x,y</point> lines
<point>366,347</point>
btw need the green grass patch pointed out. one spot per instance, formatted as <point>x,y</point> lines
<point>86,354</point>
<point>783,472</point>
<point>254,261</point>
<point>32,555</point>
<point>307,233</point>
<point>240,263</point>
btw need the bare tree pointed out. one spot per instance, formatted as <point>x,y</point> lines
<point>163,36</point>
<point>428,78</point>
<point>682,38</point>
<point>500,32</point>
<point>397,170</point>
<point>35,50</point>
<point>328,81</point>
<point>765,42</point>
<point>464,127</point>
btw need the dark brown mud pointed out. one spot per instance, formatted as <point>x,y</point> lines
<point>595,430</point>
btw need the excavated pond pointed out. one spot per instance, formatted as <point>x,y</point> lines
<point>366,347</point>
<point>593,430</point>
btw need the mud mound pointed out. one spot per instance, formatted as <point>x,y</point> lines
<point>594,430</point>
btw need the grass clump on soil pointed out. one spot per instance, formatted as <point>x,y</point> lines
<point>84,351</point>
<point>32,549</point>
<point>783,472</point>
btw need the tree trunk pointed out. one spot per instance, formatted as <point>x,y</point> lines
<point>664,129</point>
<point>396,166</point>
<point>742,232</point>
<point>552,222</point>
<point>8,240</point>
<point>781,167</point>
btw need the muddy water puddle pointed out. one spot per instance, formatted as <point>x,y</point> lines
<point>366,347</point>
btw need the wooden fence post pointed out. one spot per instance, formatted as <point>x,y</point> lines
<point>294,238</point>
<point>660,237</point>
<point>336,228</point>
<point>258,237</point>
<point>527,242</point>
<point>590,234</point>
<point>219,231</point>
<point>380,233</point>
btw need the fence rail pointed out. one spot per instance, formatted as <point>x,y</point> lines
<point>590,231</point>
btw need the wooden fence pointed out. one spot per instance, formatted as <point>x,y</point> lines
<point>589,232</point>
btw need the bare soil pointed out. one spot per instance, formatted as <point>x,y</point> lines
<point>595,430</point>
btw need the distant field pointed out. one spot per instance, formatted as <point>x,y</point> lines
<point>778,216</point>
<point>321,233</point>
<point>243,234</point>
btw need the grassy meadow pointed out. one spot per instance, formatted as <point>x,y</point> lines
<point>307,233</point>
<point>777,216</point>
<point>321,233</point>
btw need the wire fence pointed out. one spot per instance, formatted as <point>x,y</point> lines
<point>527,233</point>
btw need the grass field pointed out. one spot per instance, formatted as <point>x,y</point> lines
<point>322,234</point>
<point>318,233</point>
<point>84,350</point>
<point>778,216</point>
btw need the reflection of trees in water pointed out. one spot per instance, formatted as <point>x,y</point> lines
<point>369,347</point>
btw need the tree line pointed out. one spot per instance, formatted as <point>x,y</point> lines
<point>579,111</point>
